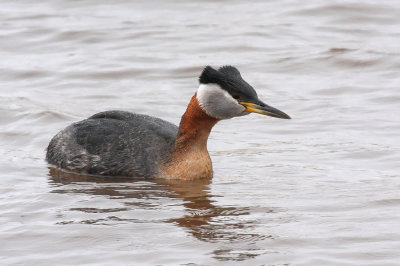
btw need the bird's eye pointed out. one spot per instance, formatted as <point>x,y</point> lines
<point>236,96</point>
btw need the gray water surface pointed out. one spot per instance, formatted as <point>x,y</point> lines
<point>320,189</point>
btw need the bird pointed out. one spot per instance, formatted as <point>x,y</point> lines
<point>124,144</point>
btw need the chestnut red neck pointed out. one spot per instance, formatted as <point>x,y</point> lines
<point>195,127</point>
<point>190,159</point>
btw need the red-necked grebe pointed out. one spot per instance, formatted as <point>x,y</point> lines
<point>117,143</point>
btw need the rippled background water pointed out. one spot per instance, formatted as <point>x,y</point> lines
<point>321,189</point>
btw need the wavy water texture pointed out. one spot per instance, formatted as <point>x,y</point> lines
<point>320,189</point>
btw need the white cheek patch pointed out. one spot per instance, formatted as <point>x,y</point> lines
<point>217,102</point>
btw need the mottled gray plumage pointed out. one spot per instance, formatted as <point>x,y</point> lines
<point>114,143</point>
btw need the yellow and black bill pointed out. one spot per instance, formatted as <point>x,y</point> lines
<point>261,108</point>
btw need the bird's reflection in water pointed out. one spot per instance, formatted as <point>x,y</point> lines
<point>202,218</point>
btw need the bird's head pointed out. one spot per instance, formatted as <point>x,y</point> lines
<point>223,94</point>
